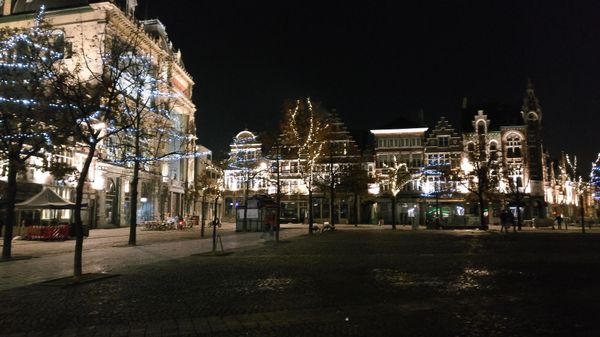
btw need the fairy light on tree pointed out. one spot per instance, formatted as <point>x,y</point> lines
<point>155,132</point>
<point>580,186</point>
<point>480,175</point>
<point>91,89</point>
<point>29,126</point>
<point>303,139</point>
<point>595,178</point>
<point>395,178</point>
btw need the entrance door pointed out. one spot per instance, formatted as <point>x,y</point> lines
<point>112,203</point>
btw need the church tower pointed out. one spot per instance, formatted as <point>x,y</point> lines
<point>531,112</point>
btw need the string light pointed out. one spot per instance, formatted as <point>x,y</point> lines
<point>595,178</point>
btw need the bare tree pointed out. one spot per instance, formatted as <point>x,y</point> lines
<point>303,138</point>
<point>355,181</point>
<point>208,183</point>
<point>90,88</point>
<point>581,187</point>
<point>515,190</point>
<point>482,177</point>
<point>29,127</point>
<point>396,177</point>
<point>155,131</point>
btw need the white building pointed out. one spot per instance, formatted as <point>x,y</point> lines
<point>162,189</point>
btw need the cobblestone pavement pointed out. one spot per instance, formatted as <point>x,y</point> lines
<point>351,282</point>
<point>106,250</point>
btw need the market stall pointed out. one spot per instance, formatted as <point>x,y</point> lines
<point>56,228</point>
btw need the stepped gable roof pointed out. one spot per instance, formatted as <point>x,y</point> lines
<point>499,114</point>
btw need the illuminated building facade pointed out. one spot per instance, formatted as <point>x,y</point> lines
<point>163,184</point>
<point>246,173</point>
<point>506,139</point>
<point>395,148</point>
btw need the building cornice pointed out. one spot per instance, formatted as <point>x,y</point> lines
<point>398,131</point>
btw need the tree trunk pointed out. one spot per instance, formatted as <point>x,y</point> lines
<point>331,189</point>
<point>356,210</point>
<point>215,223</point>
<point>203,208</point>
<point>278,221</point>
<point>582,214</point>
<point>10,207</point>
<point>245,220</point>
<point>482,213</point>
<point>310,201</point>
<point>519,216</point>
<point>393,211</point>
<point>77,263</point>
<point>133,202</point>
<point>332,203</point>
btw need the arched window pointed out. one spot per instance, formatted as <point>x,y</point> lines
<point>494,150</point>
<point>513,146</point>
<point>532,116</point>
<point>471,147</point>
<point>481,127</point>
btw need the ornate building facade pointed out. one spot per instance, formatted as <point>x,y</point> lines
<point>85,26</point>
<point>507,140</point>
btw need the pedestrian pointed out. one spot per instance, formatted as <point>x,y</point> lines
<point>266,228</point>
<point>559,221</point>
<point>504,221</point>
<point>511,221</point>
<point>380,222</point>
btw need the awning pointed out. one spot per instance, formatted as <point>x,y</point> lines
<point>46,199</point>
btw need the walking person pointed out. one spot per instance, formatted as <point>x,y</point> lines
<point>559,221</point>
<point>511,221</point>
<point>504,221</point>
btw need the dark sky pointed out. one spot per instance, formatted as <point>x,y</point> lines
<point>379,60</point>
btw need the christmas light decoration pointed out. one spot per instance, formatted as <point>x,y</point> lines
<point>595,178</point>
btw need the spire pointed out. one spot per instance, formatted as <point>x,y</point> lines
<point>465,103</point>
<point>530,101</point>
<point>421,117</point>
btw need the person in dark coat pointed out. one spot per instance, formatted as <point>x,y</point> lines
<point>504,221</point>
<point>559,221</point>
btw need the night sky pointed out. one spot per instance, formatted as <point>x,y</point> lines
<point>380,60</point>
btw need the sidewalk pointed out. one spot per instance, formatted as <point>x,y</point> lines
<point>106,251</point>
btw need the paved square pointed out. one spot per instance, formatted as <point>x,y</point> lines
<point>349,282</point>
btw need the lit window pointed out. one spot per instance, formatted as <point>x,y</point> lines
<point>513,146</point>
<point>494,151</point>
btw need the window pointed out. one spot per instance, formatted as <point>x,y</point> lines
<point>471,147</point>
<point>532,116</point>
<point>513,146</point>
<point>493,150</point>
<point>443,141</point>
<point>481,127</point>
<point>515,176</point>
<point>438,159</point>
